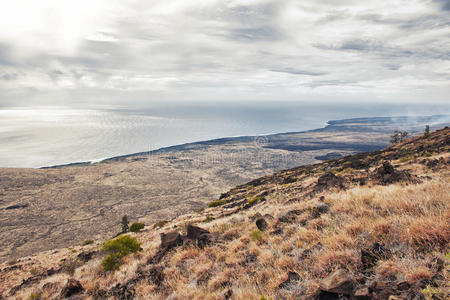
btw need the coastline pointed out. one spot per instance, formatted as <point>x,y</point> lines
<point>329,125</point>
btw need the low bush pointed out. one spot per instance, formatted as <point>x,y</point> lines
<point>208,219</point>
<point>257,235</point>
<point>118,248</point>
<point>256,200</point>
<point>88,242</point>
<point>135,227</point>
<point>217,203</point>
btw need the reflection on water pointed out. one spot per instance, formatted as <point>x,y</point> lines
<point>34,137</point>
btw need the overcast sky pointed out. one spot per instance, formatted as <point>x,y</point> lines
<point>61,52</point>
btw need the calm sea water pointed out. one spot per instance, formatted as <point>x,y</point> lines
<point>43,136</point>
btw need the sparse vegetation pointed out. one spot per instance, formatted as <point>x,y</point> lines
<point>88,242</point>
<point>398,136</point>
<point>208,219</point>
<point>217,203</point>
<point>426,133</point>
<point>256,200</point>
<point>257,235</point>
<point>135,227</point>
<point>125,223</point>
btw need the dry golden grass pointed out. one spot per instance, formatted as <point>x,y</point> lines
<point>410,221</point>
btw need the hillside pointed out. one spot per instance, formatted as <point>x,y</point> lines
<point>43,209</point>
<point>368,226</point>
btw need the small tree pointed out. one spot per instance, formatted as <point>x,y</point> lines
<point>125,223</point>
<point>398,136</point>
<point>427,131</point>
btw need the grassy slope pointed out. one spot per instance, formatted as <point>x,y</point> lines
<point>409,218</point>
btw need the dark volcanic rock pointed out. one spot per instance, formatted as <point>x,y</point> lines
<point>16,206</point>
<point>387,174</point>
<point>329,180</point>
<point>71,288</point>
<point>261,224</point>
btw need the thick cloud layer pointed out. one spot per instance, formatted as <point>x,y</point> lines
<point>125,52</point>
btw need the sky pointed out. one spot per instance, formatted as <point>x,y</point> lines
<point>110,52</point>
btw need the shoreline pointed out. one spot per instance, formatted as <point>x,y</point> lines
<point>248,138</point>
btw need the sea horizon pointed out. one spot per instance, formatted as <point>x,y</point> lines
<point>49,136</point>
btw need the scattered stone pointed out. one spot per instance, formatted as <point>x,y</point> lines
<point>322,295</point>
<point>171,239</point>
<point>292,280</point>
<point>319,209</point>
<point>228,294</point>
<point>362,293</point>
<point>289,216</point>
<point>339,282</point>
<point>86,256</point>
<point>72,287</point>
<point>261,224</point>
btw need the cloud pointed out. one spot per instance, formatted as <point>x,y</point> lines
<point>222,50</point>
<point>299,72</point>
<point>445,4</point>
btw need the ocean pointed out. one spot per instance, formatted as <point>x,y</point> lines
<point>44,136</point>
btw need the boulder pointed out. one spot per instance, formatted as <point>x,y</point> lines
<point>329,180</point>
<point>261,224</point>
<point>171,239</point>
<point>72,287</point>
<point>338,282</point>
<point>202,236</point>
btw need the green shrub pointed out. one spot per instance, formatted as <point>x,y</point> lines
<point>256,200</point>
<point>111,262</point>
<point>118,248</point>
<point>309,170</point>
<point>208,219</point>
<point>123,245</point>
<point>34,296</point>
<point>88,242</point>
<point>217,203</point>
<point>135,227</point>
<point>257,235</point>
